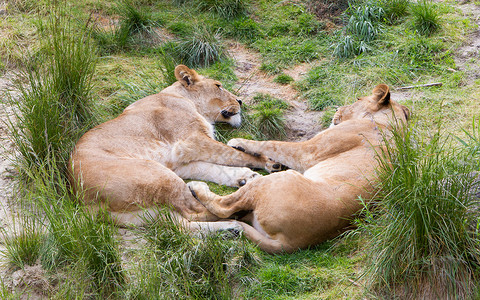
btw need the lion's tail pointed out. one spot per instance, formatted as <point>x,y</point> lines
<point>265,243</point>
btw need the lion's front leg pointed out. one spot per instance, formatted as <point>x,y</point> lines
<point>294,155</point>
<point>205,149</point>
<point>223,175</point>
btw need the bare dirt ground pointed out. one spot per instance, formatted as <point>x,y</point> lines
<point>6,147</point>
<point>302,123</point>
<point>467,58</point>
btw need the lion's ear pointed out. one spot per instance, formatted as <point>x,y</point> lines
<point>382,94</point>
<point>185,75</point>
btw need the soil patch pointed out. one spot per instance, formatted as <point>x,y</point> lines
<point>6,148</point>
<point>467,56</point>
<point>302,123</point>
<point>328,9</point>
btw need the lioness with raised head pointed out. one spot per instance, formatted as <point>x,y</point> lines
<point>313,201</point>
<point>138,159</point>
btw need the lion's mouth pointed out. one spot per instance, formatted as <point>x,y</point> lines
<point>227,114</point>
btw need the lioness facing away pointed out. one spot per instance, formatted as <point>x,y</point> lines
<point>313,201</point>
<point>138,159</point>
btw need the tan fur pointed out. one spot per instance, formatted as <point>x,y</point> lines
<point>134,161</point>
<point>313,201</point>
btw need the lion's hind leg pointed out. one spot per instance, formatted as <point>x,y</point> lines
<point>221,206</point>
<point>241,200</point>
<point>144,216</point>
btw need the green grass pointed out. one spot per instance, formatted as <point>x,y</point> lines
<point>270,123</point>
<point>283,79</point>
<point>135,27</point>
<point>227,9</point>
<point>244,29</point>
<point>6,294</point>
<point>261,100</point>
<point>320,99</point>
<point>177,265</point>
<point>53,109</point>
<point>24,6</point>
<point>222,71</point>
<point>23,242</point>
<point>325,272</point>
<point>362,28</point>
<point>472,140</point>
<point>75,241</point>
<point>201,48</point>
<point>327,117</point>
<point>55,104</point>
<point>424,233</point>
<point>164,262</point>
<point>364,19</point>
<point>282,52</point>
<point>425,17</point>
<point>394,10</point>
<point>142,84</point>
<point>268,117</point>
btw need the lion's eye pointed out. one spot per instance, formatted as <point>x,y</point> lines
<point>219,85</point>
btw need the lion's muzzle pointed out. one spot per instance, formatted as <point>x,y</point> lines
<point>227,114</point>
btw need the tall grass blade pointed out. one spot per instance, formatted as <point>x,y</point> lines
<point>423,241</point>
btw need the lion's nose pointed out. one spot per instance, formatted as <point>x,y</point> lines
<point>226,114</point>
<point>239,102</point>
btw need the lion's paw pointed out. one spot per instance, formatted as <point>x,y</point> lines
<point>244,176</point>
<point>199,190</point>
<point>232,231</point>
<point>237,144</point>
<point>273,166</point>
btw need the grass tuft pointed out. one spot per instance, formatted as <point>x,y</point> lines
<point>363,22</point>
<point>180,266</point>
<point>270,123</point>
<point>55,104</point>
<point>76,239</point>
<point>394,10</point>
<point>472,143</point>
<point>133,21</point>
<point>425,17</point>
<point>24,6</point>
<point>202,48</point>
<point>244,29</point>
<point>227,9</point>
<point>362,28</point>
<point>23,246</point>
<point>269,117</point>
<point>135,26</point>
<point>424,232</point>
<point>283,79</point>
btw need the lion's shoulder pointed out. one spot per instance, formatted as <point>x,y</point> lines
<point>162,100</point>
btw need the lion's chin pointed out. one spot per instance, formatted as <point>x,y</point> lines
<point>235,120</point>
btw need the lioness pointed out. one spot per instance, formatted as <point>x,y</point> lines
<point>138,159</point>
<point>311,203</point>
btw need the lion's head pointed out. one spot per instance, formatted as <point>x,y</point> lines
<point>378,107</point>
<point>212,101</point>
